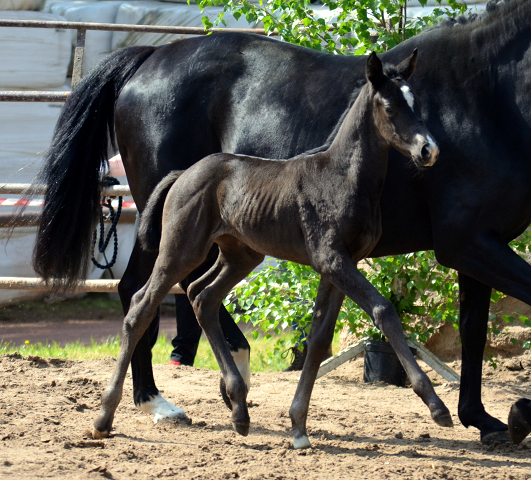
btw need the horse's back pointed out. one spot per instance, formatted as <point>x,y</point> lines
<point>229,92</point>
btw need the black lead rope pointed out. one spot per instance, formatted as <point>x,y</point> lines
<point>113,216</point>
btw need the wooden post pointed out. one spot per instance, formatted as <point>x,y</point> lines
<point>77,71</point>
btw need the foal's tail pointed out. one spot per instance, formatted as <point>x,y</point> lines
<point>72,168</point>
<point>150,229</point>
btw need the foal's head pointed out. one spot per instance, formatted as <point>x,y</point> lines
<point>397,111</point>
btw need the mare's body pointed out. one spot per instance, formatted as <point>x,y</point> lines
<point>320,210</point>
<point>251,95</point>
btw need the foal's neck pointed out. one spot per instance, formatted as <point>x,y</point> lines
<point>358,140</point>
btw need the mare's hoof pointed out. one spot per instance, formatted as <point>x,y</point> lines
<point>444,420</point>
<point>224,395</point>
<point>301,442</point>
<point>520,420</point>
<point>99,435</point>
<point>160,408</point>
<point>502,437</point>
<point>241,428</point>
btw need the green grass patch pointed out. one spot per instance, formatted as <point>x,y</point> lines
<point>263,358</point>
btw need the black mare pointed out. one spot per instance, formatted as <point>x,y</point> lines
<point>173,105</point>
<point>319,209</point>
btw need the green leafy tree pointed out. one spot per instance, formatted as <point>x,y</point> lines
<point>344,27</point>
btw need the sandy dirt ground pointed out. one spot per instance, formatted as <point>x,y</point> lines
<point>357,430</point>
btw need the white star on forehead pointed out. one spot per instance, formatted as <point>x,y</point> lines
<point>408,95</point>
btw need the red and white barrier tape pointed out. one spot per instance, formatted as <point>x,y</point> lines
<point>19,202</point>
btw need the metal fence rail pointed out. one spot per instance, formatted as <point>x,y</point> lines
<point>32,218</point>
<point>82,27</point>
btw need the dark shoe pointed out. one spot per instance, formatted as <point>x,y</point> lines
<point>298,359</point>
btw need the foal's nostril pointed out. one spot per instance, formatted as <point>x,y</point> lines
<point>426,152</point>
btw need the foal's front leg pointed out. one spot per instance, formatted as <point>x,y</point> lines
<point>343,273</point>
<point>326,309</point>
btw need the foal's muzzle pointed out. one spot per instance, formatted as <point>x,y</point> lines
<point>429,153</point>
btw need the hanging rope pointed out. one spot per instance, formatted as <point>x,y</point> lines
<point>114,217</point>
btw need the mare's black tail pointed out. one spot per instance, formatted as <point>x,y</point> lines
<point>150,229</point>
<point>72,169</point>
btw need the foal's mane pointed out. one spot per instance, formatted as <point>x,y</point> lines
<point>389,70</point>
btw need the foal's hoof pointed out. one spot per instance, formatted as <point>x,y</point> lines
<point>520,420</point>
<point>99,435</point>
<point>241,428</point>
<point>224,395</point>
<point>444,420</point>
<point>441,415</point>
<point>501,437</point>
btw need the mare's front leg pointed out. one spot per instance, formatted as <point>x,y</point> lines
<point>235,262</point>
<point>327,305</point>
<point>143,307</point>
<point>340,270</point>
<point>483,261</point>
<point>473,314</point>
<point>145,393</point>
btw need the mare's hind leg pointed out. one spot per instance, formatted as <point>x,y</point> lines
<point>327,306</point>
<point>339,269</point>
<point>145,393</point>
<point>235,262</point>
<point>169,269</point>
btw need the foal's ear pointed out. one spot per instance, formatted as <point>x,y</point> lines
<point>374,70</point>
<point>407,67</point>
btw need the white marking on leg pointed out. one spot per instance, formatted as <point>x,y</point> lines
<point>242,361</point>
<point>300,443</point>
<point>408,95</point>
<point>161,408</point>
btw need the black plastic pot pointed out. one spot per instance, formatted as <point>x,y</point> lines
<point>382,365</point>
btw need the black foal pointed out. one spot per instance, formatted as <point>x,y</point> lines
<point>320,210</point>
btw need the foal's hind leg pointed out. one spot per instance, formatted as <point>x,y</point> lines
<point>343,273</point>
<point>145,393</point>
<point>168,270</point>
<point>236,261</point>
<point>238,345</point>
<point>327,306</point>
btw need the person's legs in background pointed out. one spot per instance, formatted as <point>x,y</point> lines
<point>186,341</point>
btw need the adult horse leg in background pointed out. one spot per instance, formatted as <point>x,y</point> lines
<point>326,309</point>
<point>474,305</point>
<point>520,420</point>
<point>141,313</point>
<point>487,261</point>
<point>145,393</point>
